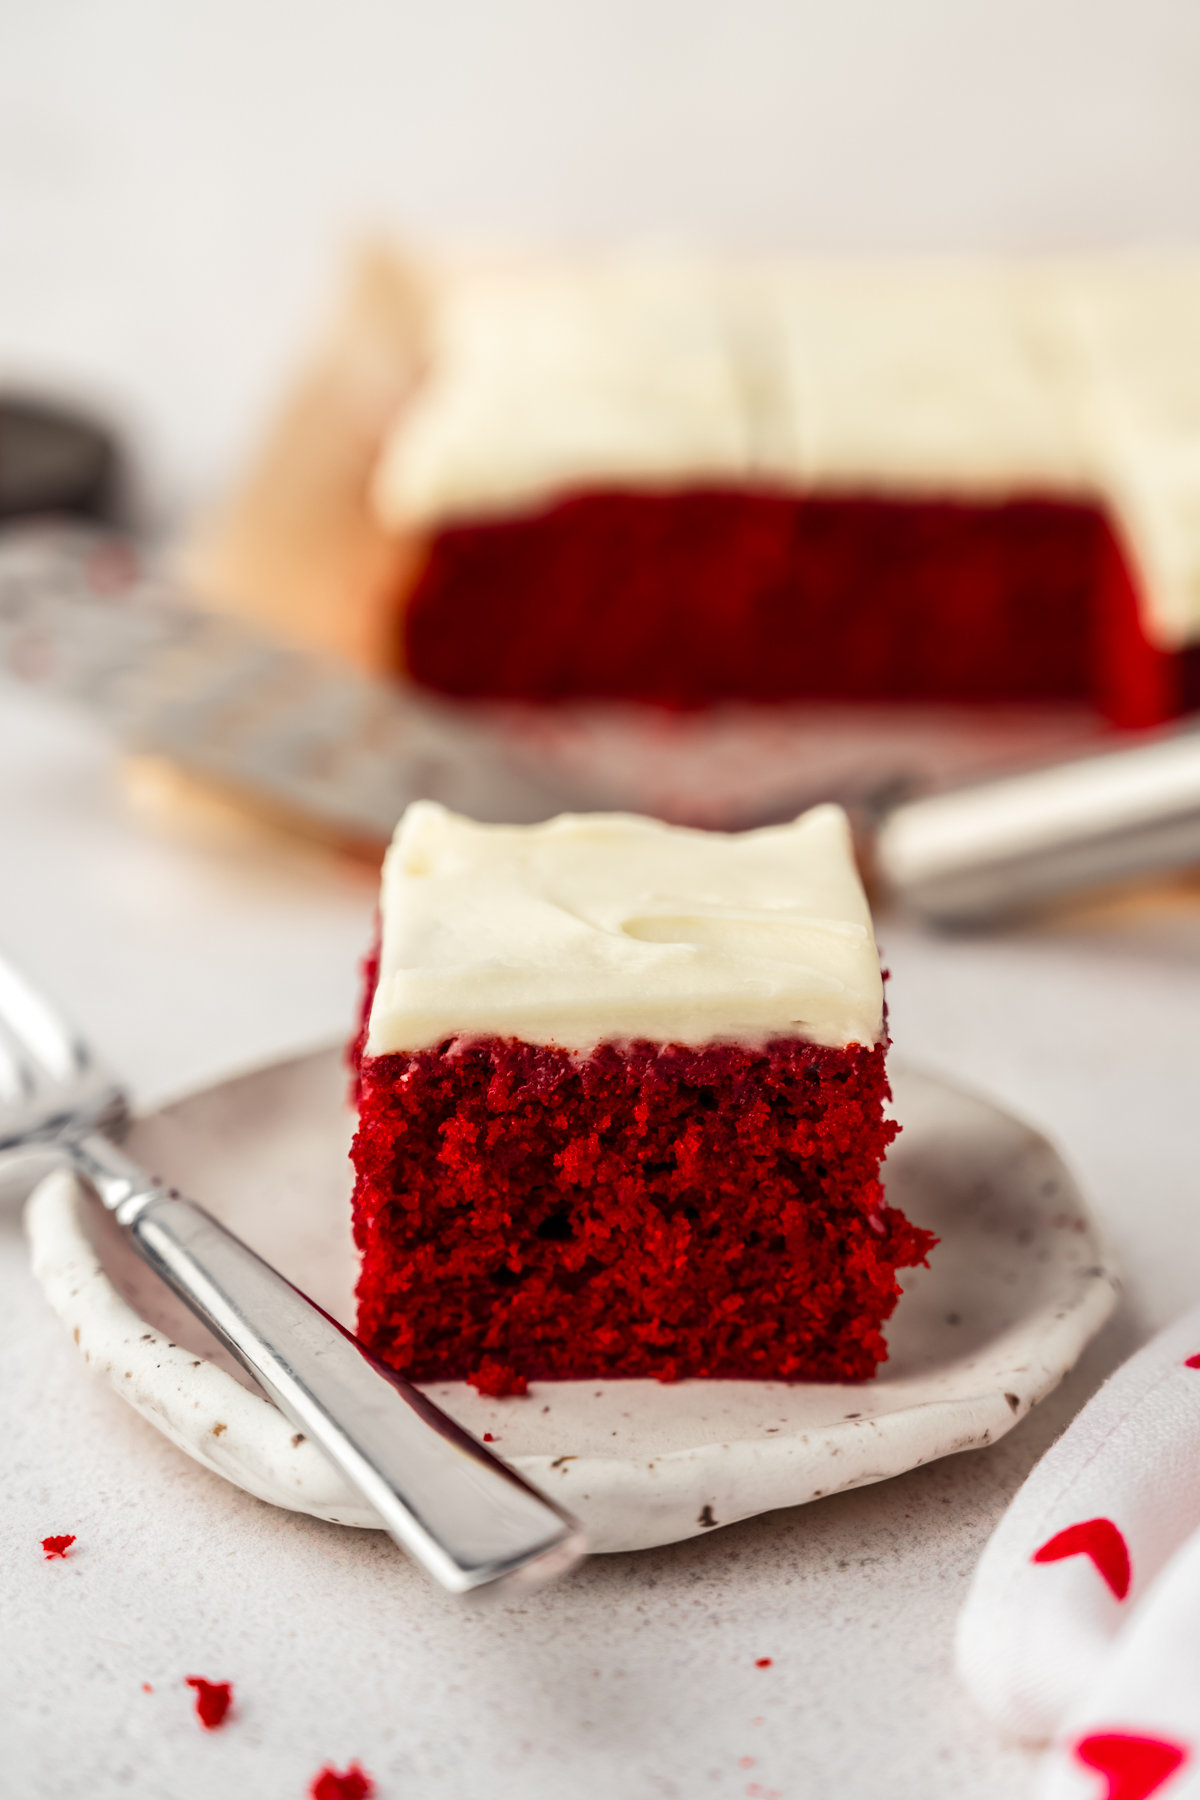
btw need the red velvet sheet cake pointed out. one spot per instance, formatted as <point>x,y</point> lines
<point>693,597</point>
<point>687,482</point>
<point>621,1097</point>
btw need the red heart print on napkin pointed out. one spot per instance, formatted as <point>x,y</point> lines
<point>1099,1539</point>
<point>1135,1767</point>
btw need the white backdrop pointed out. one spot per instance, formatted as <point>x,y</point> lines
<point>177,182</point>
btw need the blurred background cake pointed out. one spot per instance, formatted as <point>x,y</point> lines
<point>685,482</point>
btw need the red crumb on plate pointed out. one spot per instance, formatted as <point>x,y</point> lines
<point>496,1379</point>
<point>146,1688</point>
<point>213,1700</point>
<point>762,1662</point>
<point>57,1546</point>
<point>354,1784</point>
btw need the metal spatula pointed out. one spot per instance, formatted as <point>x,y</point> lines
<point>466,1516</point>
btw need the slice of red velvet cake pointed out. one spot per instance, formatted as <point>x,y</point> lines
<point>621,1105</point>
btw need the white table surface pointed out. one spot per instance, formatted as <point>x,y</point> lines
<point>186,952</point>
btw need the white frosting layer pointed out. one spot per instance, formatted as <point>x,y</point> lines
<point>1136,330</point>
<point>569,379</point>
<point>975,380</point>
<point>607,926</point>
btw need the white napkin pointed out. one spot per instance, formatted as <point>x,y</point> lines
<point>1083,1620</point>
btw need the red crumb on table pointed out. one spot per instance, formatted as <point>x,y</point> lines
<point>353,1784</point>
<point>488,1438</point>
<point>213,1700</point>
<point>762,1662</point>
<point>497,1380</point>
<point>57,1546</point>
<point>146,1688</point>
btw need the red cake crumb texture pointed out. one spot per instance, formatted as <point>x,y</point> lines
<point>57,1546</point>
<point>352,1784</point>
<point>213,1700</point>
<point>705,594</point>
<point>524,1213</point>
<point>497,1380</point>
<point>763,1662</point>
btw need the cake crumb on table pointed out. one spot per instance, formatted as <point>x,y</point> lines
<point>353,1784</point>
<point>57,1546</point>
<point>213,1700</point>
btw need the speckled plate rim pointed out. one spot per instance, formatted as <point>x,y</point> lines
<point>624,1501</point>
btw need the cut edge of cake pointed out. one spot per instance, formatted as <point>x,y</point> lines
<point>635,1205</point>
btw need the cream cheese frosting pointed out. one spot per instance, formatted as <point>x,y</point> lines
<point>1078,377</point>
<point>564,378</point>
<point>610,927</point>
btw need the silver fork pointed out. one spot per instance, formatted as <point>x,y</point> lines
<point>466,1516</point>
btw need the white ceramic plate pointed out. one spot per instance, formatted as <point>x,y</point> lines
<point>1016,1288</point>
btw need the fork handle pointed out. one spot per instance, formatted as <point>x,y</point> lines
<point>460,1511</point>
